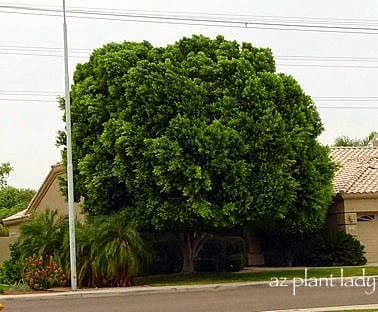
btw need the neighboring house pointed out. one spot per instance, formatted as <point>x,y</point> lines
<point>48,197</point>
<point>355,207</point>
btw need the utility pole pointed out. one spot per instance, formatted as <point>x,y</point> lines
<point>71,207</point>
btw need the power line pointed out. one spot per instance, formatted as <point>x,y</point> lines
<point>237,22</point>
<point>196,15</point>
<point>28,94</point>
<point>326,66</point>
<point>41,48</point>
<point>29,52</point>
<point>349,107</point>
<point>28,100</point>
<point>283,57</point>
<point>29,91</point>
<point>41,54</point>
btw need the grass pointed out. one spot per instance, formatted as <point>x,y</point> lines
<point>4,287</point>
<point>16,287</point>
<point>231,277</point>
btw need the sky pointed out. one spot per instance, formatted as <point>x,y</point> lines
<point>337,69</point>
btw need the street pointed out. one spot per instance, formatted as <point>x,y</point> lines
<point>240,299</point>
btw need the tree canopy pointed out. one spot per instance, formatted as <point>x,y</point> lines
<point>198,135</point>
<point>347,141</point>
<point>12,199</point>
<point>5,170</point>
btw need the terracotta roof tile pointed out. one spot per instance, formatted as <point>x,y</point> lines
<point>358,169</point>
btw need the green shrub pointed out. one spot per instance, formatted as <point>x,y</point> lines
<point>166,257</point>
<point>282,249</point>
<point>3,231</point>
<point>10,272</point>
<point>235,262</point>
<point>212,257</point>
<point>324,247</point>
<point>235,245</point>
<point>42,273</point>
<point>217,255</point>
<point>117,251</point>
<point>236,254</point>
<point>334,248</point>
<point>222,254</point>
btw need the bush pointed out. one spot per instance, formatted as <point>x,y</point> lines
<point>166,257</point>
<point>110,251</point>
<point>217,255</point>
<point>235,262</point>
<point>42,273</point>
<point>322,248</point>
<point>10,272</point>
<point>222,254</point>
<point>334,248</point>
<point>3,231</point>
<point>282,249</point>
<point>117,252</point>
<point>212,257</point>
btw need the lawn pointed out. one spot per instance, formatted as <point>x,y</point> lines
<point>230,277</point>
<point>4,287</point>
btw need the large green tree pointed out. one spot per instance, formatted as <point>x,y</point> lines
<point>195,136</point>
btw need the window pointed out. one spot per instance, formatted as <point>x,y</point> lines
<point>366,218</point>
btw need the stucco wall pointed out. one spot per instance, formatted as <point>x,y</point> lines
<point>54,200</point>
<point>48,197</point>
<point>344,215</point>
<point>361,204</point>
<point>4,248</point>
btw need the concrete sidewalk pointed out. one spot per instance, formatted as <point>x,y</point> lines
<point>116,291</point>
<point>58,294</point>
<point>329,309</point>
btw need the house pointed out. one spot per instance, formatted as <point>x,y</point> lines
<point>355,206</point>
<point>47,197</point>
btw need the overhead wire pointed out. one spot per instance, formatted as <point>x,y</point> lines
<point>239,21</point>
<point>84,54</point>
<point>205,20</point>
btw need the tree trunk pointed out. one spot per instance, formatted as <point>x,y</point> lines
<point>191,245</point>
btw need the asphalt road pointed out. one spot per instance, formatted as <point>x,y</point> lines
<point>240,299</point>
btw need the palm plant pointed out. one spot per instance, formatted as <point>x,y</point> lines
<point>118,251</point>
<point>84,240</point>
<point>43,235</point>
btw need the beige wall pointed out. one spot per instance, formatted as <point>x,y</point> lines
<point>4,248</point>
<point>367,233</point>
<point>344,215</point>
<point>54,200</point>
<point>14,229</point>
<point>361,204</point>
<point>47,197</point>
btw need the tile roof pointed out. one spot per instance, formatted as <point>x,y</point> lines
<point>17,216</point>
<point>358,169</point>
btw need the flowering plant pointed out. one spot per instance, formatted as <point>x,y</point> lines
<point>42,273</point>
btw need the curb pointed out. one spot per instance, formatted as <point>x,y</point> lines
<point>108,292</point>
<point>329,309</point>
<point>135,290</point>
